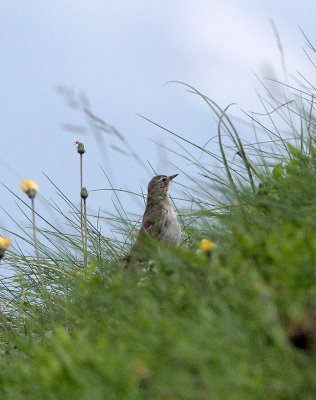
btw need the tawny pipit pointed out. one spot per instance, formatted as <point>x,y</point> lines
<point>159,220</point>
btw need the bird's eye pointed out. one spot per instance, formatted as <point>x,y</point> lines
<point>164,179</point>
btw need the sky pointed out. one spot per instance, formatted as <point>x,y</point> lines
<point>117,58</point>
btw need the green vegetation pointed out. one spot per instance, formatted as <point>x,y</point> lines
<point>238,323</point>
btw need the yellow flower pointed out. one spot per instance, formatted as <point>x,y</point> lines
<point>205,250</point>
<point>29,187</point>
<point>4,243</point>
<point>206,245</point>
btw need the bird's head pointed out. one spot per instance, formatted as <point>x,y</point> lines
<point>159,186</point>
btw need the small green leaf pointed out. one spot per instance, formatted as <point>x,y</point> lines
<point>92,266</point>
<point>293,166</point>
<point>278,171</point>
<point>294,151</point>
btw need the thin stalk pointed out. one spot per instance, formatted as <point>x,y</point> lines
<point>85,247</point>
<point>34,231</point>
<point>85,235</point>
<point>41,278</point>
<point>81,202</point>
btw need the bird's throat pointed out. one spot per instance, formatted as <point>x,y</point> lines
<point>157,198</point>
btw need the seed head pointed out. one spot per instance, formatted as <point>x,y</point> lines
<point>80,147</point>
<point>84,193</point>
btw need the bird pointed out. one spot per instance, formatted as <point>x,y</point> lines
<point>159,220</point>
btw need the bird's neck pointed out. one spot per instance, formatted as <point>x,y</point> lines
<point>157,198</point>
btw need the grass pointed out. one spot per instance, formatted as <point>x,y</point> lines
<point>240,324</point>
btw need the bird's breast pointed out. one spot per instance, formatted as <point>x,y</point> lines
<point>171,230</point>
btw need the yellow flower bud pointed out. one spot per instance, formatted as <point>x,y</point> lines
<point>29,187</point>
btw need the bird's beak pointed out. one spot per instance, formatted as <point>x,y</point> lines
<point>173,176</point>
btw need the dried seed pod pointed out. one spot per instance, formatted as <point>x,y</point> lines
<point>80,147</point>
<point>84,193</point>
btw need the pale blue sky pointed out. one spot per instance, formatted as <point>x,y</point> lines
<point>120,54</point>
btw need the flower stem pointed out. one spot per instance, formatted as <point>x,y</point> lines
<point>81,205</point>
<point>85,247</point>
<point>34,231</point>
<point>41,279</point>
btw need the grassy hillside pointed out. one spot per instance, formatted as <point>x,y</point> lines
<point>236,323</point>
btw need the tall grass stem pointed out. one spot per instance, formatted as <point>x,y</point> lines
<point>81,201</point>
<point>34,231</point>
<point>85,254</point>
